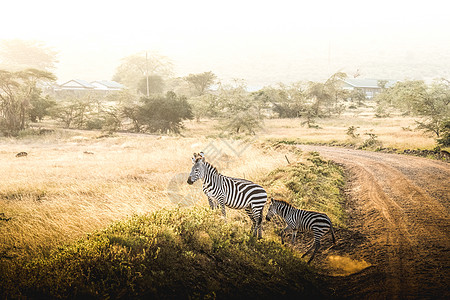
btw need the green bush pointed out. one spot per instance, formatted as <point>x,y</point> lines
<point>188,253</point>
<point>316,185</point>
<point>164,114</point>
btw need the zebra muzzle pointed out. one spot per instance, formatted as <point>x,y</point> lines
<point>189,181</point>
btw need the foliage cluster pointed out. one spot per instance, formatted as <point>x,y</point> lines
<point>20,97</point>
<point>310,100</point>
<point>188,253</point>
<point>159,114</point>
<point>429,103</point>
<point>134,69</point>
<point>315,184</point>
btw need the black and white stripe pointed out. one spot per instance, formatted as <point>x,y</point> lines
<point>228,191</point>
<point>302,220</point>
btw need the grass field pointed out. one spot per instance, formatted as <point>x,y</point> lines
<point>74,184</point>
<point>394,132</point>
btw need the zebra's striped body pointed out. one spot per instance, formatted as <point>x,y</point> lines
<point>213,203</point>
<point>231,192</point>
<point>302,220</point>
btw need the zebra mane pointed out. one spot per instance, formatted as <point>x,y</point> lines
<point>212,168</point>
<point>282,202</point>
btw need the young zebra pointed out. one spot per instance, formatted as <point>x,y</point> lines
<point>301,220</point>
<point>228,191</point>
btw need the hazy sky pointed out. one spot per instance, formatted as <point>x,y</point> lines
<point>262,42</point>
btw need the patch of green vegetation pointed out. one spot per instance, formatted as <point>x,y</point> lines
<point>314,185</point>
<point>188,253</point>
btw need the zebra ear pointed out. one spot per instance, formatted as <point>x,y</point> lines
<point>202,156</point>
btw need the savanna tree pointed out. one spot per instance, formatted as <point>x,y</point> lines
<point>429,103</point>
<point>288,101</point>
<point>23,54</point>
<point>240,111</point>
<point>17,92</point>
<point>201,82</point>
<point>159,114</point>
<point>135,67</point>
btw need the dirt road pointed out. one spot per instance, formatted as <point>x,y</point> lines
<point>401,205</point>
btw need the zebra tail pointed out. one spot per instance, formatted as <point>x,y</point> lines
<point>332,233</point>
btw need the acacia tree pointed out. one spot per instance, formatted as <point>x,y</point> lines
<point>17,89</point>
<point>288,101</point>
<point>431,104</point>
<point>337,93</point>
<point>240,110</point>
<point>325,97</point>
<point>21,54</point>
<point>134,67</point>
<point>206,105</point>
<point>201,82</point>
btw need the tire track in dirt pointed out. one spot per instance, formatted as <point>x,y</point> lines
<point>402,205</point>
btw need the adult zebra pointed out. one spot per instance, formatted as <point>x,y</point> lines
<point>228,191</point>
<point>301,220</point>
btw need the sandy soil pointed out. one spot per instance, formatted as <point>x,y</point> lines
<point>399,222</point>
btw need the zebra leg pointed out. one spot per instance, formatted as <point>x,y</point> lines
<point>221,202</point>
<point>294,236</point>
<point>309,250</point>
<point>250,214</point>
<point>316,246</point>
<point>212,203</point>
<point>283,232</point>
<point>258,229</point>
<point>257,217</point>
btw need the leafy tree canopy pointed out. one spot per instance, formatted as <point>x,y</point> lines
<point>134,67</point>
<point>18,90</point>
<point>201,82</point>
<point>431,103</point>
<point>20,54</point>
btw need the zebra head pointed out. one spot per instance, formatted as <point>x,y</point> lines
<point>271,211</point>
<point>198,169</point>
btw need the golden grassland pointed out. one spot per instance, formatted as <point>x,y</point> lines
<point>396,131</point>
<point>72,183</point>
<point>75,182</point>
<point>99,217</point>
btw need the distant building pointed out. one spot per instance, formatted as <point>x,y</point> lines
<point>107,85</point>
<point>75,85</point>
<point>83,85</point>
<point>370,87</point>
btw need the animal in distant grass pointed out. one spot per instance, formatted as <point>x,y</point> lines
<point>301,220</point>
<point>4,218</point>
<point>228,191</point>
<point>21,154</point>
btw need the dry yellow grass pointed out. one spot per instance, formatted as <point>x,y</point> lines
<point>59,193</point>
<point>394,132</point>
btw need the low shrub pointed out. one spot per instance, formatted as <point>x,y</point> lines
<point>188,253</point>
